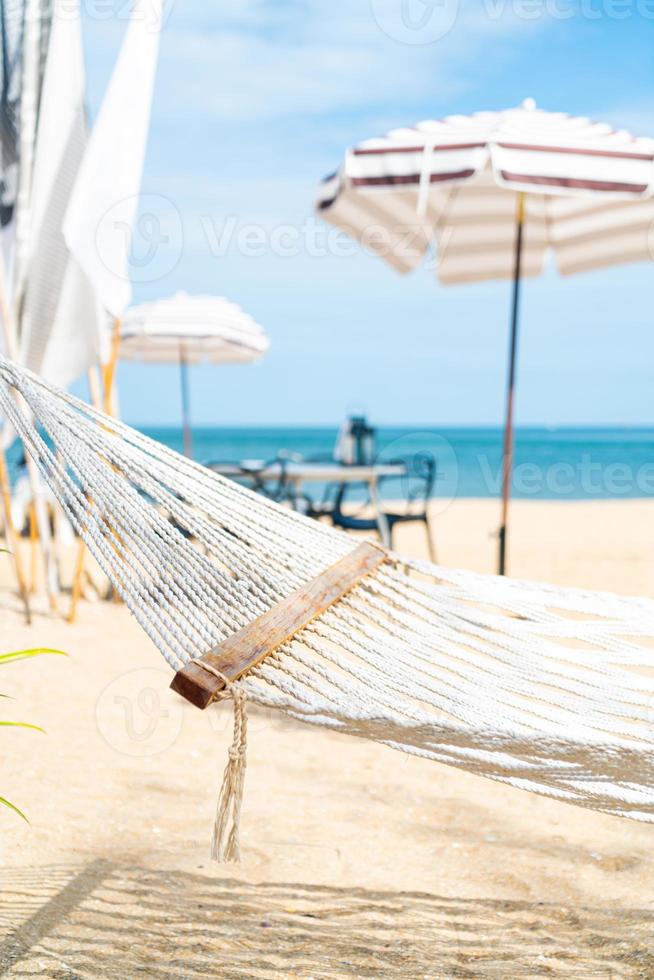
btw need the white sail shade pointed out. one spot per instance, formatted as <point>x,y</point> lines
<point>60,319</point>
<point>104,206</point>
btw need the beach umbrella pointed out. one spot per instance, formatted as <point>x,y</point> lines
<point>188,330</point>
<point>493,193</point>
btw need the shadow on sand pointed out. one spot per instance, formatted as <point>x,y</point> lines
<point>104,920</point>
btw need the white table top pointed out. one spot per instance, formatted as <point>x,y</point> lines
<point>322,472</point>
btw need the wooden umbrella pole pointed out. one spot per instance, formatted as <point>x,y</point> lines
<point>12,537</point>
<point>109,370</point>
<point>10,338</point>
<point>95,387</point>
<point>186,404</point>
<point>34,545</point>
<point>507,458</point>
<point>95,395</point>
<point>76,592</point>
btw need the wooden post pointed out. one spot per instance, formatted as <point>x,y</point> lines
<point>200,681</point>
<point>507,457</point>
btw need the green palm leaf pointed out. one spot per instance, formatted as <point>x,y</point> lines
<point>7,658</point>
<point>21,724</point>
<point>11,806</point>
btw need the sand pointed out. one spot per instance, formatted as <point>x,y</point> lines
<point>358,861</point>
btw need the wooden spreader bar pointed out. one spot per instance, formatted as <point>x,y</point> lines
<point>252,644</point>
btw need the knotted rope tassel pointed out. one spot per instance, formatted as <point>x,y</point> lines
<point>225,842</point>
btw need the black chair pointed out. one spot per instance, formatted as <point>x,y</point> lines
<point>270,479</point>
<point>418,480</point>
<point>304,502</point>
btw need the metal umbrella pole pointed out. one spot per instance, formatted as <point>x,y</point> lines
<point>186,403</point>
<point>507,459</point>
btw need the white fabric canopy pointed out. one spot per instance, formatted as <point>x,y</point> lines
<point>60,319</point>
<point>588,191</point>
<point>192,329</point>
<point>104,205</point>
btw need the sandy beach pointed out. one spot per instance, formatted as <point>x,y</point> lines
<point>357,861</point>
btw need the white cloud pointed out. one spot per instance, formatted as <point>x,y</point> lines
<point>255,62</point>
<point>264,61</point>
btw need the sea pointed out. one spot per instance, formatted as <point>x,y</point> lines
<point>550,463</point>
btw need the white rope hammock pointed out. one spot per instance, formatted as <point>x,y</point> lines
<point>548,689</point>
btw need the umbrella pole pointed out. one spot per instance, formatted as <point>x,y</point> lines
<point>95,394</point>
<point>11,536</point>
<point>109,370</point>
<point>11,533</point>
<point>186,405</point>
<point>507,457</point>
<point>102,397</point>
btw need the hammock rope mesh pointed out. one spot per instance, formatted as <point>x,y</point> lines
<point>547,689</point>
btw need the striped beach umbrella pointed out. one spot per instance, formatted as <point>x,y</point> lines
<point>493,193</point>
<point>188,330</point>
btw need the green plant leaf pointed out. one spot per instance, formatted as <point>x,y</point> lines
<point>7,658</point>
<point>11,806</point>
<point>21,724</point>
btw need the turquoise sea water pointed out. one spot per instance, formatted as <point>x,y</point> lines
<point>566,464</point>
<point>550,464</point>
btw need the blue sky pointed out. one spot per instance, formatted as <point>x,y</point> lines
<point>256,101</point>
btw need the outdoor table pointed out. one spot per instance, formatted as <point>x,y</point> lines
<point>298,472</point>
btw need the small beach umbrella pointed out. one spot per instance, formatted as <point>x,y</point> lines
<point>493,193</point>
<point>188,330</point>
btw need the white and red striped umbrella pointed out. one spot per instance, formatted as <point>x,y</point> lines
<point>493,194</point>
<point>588,194</point>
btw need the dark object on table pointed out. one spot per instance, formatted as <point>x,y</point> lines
<point>356,442</point>
<point>355,446</point>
